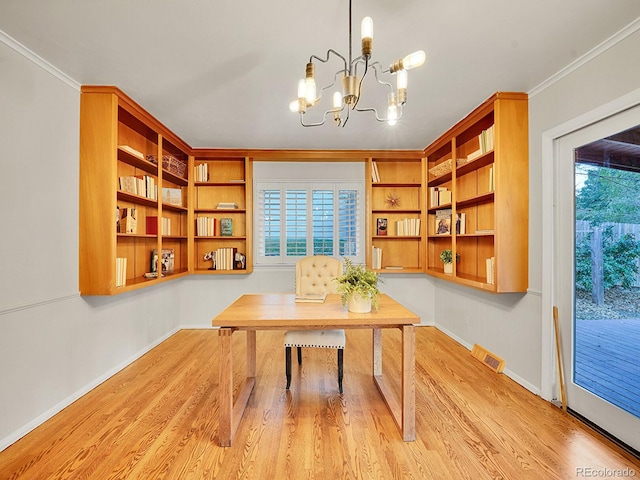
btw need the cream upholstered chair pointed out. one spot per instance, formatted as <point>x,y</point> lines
<point>315,274</point>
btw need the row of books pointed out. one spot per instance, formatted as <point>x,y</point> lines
<point>485,143</point>
<point>439,196</point>
<point>201,172</point>
<point>491,270</point>
<point>443,222</point>
<point>152,225</point>
<point>227,258</point>
<point>375,174</point>
<point>141,185</point>
<point>408,227</point>
<point>121,272</point>
<point>208,227</point>
<point>126,220</point>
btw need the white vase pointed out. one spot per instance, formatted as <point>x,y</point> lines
<point>448,268</point>
<point>358,304</point>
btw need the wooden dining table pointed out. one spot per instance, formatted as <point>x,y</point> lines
<point>267,311</point>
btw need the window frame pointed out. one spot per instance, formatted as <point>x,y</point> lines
<point>261,260</point>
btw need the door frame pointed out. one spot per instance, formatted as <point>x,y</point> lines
<point>549,385</point>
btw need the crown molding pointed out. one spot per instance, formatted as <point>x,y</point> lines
<point>38,60</point>
<point>613,40</point>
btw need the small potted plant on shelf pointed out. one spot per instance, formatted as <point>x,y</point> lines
<point>359,288</point>
<point>447,258</point>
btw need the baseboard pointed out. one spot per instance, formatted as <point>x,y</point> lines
<point>36,422</point>
<point>516,378</point>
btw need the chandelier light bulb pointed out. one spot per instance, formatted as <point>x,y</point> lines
<point>366,28</point>
<point>392,110</point>
<point>337,101</point>
<point>366,33</point>
<point>414,60</point>
<point>293,106</point>
<point>302,88</point>
<point>401,79</point>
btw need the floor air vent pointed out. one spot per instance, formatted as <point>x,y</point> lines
<point>492,361</point>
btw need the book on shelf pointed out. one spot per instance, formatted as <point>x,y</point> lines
<point>141,185</point>
<point>381,226</point>
<point>206,226</point>
<point>375,174</point>
<point>225,258</point>
<point>121,272</point>
<point>443,221</point>
<point>408,227</point>
<point>152,225</point>
<point>311,297</point>
<point>439,196</point>
<point>491,270</point>
<point>131,151</point>
<point>128,220</point>
<point>461,223</point>
<point>167,261</point>
<point>376,258</point>
<point>201,172</point>
<point>226,227</point>
<point>227,206</point>
<point>486,139</point>
<point>172,196</point>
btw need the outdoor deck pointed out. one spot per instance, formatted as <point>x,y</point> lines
<point>608,360</point>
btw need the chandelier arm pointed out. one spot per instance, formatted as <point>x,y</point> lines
<point>371,109</point>
<point>376,71</point>
<point>324,117</point>
<point>335,80</point>
<point>325,60</point>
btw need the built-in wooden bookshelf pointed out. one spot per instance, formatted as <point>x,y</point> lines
<point>221,192</point>
<point>119,143</point>
<point>482,162</point>
<point>396,192</point>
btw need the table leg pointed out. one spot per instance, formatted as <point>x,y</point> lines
<point>251,353</point>
<point>225,386</point>
<point>408,383</point>
<point>377,352</point>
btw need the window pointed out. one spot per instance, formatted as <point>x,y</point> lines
<point>295,219</point>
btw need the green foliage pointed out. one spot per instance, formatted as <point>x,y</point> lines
<point>608,195</point>
<point>620,263</point>
<point>357,279</point>
<point>447,256</point>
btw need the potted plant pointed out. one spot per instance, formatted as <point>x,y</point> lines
<point>359,288</point>
<point>447,258</point>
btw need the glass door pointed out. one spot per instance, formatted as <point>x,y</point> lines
<point>597,269</point>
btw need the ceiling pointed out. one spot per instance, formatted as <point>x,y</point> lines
<point>221,73</point>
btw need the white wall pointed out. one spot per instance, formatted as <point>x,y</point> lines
<point>54,344</point>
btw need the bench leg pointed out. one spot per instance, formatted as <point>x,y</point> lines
<point>287,361</point>
<point>340,367</point>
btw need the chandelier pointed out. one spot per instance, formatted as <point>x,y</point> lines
<point>347,98</point>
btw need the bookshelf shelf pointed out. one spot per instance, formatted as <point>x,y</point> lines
<point>481,164</point>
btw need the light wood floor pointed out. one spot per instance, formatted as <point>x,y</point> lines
<point>158,418</point>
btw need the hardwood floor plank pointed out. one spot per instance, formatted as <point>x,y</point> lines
<point>158,418</point>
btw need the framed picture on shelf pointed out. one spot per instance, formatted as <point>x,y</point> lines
<point>381,227</point>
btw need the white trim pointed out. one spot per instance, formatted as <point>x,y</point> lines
<point>38,60</point>
<point>36,422</point>
<point>38,303</point>
<point>548,367</point>
<point>587,57</point>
